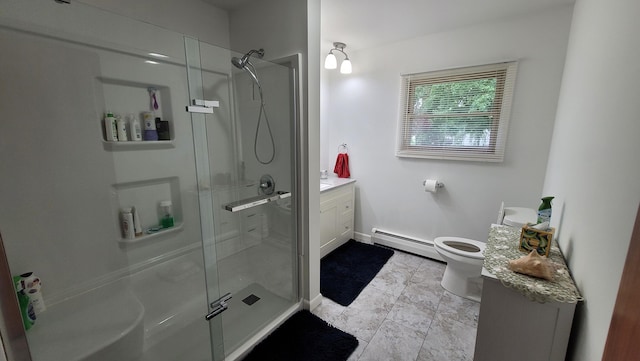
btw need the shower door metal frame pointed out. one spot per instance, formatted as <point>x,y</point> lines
<point>293,64</point>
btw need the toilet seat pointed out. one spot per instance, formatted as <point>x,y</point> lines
<point>448,244</point>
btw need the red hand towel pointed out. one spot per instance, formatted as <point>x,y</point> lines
<point>342,166</point>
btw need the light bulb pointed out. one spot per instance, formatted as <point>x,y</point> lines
<point>330,62</point>
<point>345,67</point>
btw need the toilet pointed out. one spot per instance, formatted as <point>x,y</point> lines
<point>517,216</point>
<point>464,259</point>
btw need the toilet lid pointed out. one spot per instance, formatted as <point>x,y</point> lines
<point>518,216</point>
<point>463,247</point>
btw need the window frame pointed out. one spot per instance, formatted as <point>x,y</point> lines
<point>505,74</point>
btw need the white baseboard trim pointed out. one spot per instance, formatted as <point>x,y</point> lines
<point>421,247</point>
<point>362,237</point>
<point>315,302</point>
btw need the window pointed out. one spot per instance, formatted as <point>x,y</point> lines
<point>458,114</point>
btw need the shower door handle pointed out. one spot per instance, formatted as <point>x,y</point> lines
<point>202,106</point>
<point>218,306</point>
<point>216,311</point>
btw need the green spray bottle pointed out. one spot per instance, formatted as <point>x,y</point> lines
<point>544,211</point>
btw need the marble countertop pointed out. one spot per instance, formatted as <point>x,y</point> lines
<point>503,246</point>
<point>334,182</point>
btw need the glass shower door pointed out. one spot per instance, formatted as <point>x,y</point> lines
<point>109,294</point>
<point>244,128</point>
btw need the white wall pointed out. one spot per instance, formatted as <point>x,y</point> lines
<point>195,18</point>
<point>593,167</point>
<point>362,109</point>
<point>284,20</point>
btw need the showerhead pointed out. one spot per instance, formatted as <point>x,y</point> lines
<point>237,62</point>
<point>241,63</point>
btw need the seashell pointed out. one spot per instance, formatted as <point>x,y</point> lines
<point>533,265</point>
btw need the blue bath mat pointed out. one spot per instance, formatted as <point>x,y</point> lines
<point>346,271</point>
<point>304,337</point>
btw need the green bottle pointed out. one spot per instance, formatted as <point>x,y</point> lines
<point>544,211</point>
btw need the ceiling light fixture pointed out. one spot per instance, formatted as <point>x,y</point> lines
<point>330,62</point>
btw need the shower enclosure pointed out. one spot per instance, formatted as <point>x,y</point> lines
<point>225,272</point>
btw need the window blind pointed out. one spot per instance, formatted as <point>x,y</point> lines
<point>458,113</point>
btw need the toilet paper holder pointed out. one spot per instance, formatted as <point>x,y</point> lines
<point>438,184</point>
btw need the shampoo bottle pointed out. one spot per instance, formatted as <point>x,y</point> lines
<point>137,225</point>
<point>122,129</point>
<point>150,132</point>
<point>128,231</point>
<point>136,128</point>
<point>110,127</point>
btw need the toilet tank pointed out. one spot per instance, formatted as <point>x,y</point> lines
<point>519,216</point>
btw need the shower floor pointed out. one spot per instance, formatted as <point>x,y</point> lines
<point>269,263</point>
<point>264,270</point>
<point>242,320</point>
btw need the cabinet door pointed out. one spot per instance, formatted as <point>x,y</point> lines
<point>346,205</point>
<point>345,217</point>
<point>345,227</point>
<point>328,223</point>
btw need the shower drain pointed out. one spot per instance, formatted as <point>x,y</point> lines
<point>251,299</point>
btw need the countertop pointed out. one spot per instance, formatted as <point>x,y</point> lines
<point>334,182</point>
<point>502,246</point>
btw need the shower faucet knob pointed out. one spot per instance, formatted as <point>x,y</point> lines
<point>267,185</point>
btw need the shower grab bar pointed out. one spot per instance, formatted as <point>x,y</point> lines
<point>255,201</point>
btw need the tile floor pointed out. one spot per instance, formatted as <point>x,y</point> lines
<point>405,315</point>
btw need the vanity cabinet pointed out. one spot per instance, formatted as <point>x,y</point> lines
<point>521,317</point>
<point>512,327</point>
<point>336,217</point>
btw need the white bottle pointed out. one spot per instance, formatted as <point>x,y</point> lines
<point>135,127</point>
<point>137,226</point>
<point>110,127</point>
<point>128,231</point>
<point>36,300</point>
<point>122,129</point>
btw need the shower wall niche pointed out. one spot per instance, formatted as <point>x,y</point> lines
<point>146,181</point>
<point>146,196</point>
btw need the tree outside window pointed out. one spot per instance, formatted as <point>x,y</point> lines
<point>459,114</point>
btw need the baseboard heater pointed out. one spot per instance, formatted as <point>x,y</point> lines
<point>401,242</point>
